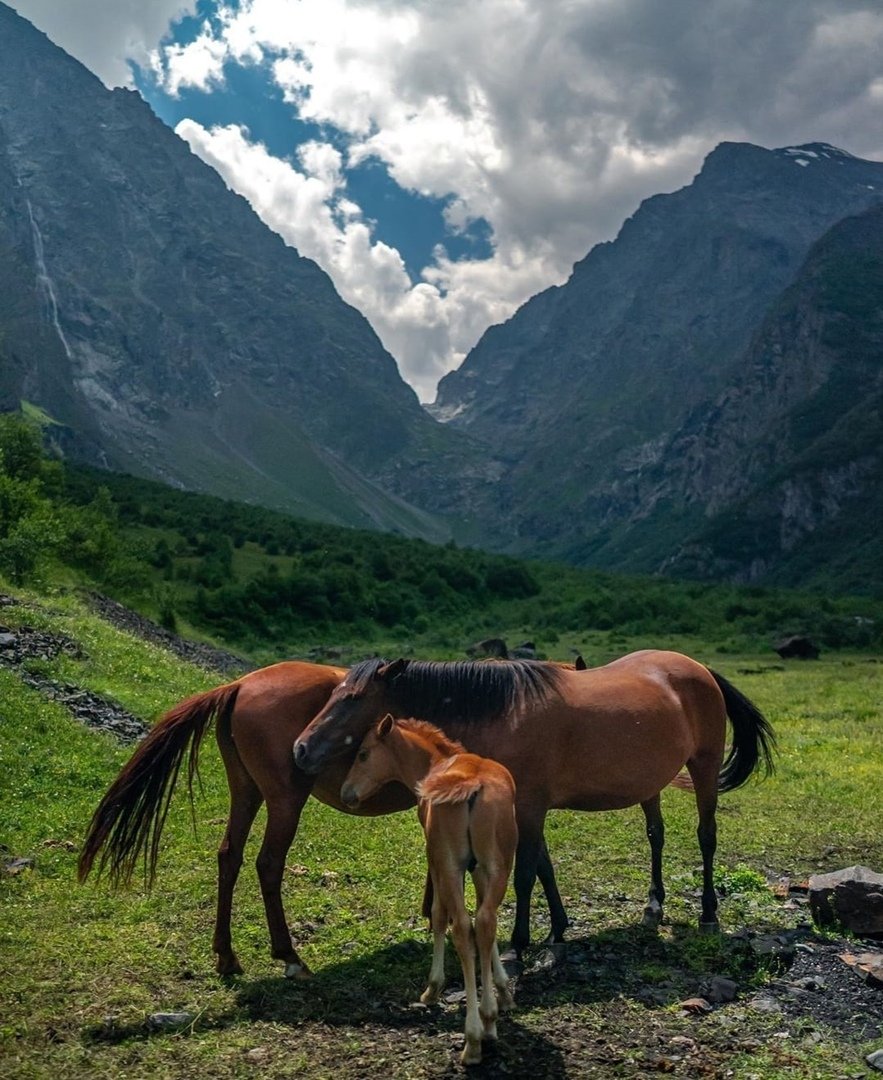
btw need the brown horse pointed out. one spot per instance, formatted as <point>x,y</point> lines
<point>257,718</point>
<point>467,810</point>
<point>599,739</point>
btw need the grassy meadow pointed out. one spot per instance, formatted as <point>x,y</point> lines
<point>83,968</point>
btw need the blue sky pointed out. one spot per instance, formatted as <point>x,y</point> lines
<point>443,162</point>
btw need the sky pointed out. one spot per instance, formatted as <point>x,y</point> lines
<point>444,160</point>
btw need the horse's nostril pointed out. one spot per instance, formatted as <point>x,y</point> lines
<point>300,753</point>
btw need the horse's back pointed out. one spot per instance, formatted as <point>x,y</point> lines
<point>620,733</point>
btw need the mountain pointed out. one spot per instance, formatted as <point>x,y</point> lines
<point>146,310</point>
<point>787,465</point>
<point>584,389</point>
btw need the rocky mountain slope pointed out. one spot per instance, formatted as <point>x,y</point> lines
<point>148,311</point>
<point>585,388</point>
<point>787,465</point>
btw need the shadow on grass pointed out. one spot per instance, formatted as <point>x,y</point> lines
<point>381,990</point>
<point>377,994</point>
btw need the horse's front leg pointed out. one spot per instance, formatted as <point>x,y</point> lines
<point>527,856</point>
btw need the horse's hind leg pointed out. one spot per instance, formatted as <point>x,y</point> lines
<point>656,835</point>
<point>245,800</point>
<point>704,774</point>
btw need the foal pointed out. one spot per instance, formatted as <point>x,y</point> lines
<point>467,810</point>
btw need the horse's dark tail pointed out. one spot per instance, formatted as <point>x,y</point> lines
<point>127,825</point>
<point>753,738</point>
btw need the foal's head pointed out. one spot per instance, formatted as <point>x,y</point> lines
<point>402,750</point>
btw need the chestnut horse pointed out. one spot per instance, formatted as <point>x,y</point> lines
<point>467,810</point>
<point>257,718</point>
<point>599,739</point>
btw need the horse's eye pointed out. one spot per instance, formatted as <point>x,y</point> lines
<point>363,755</point>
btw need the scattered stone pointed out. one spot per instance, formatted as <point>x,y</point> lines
<point>549,957</point>
<point>169,1021</point>
<point>15,866</point>
<point>454,997</point>
<point>7,641</point>
<point>696,1005</point>
<point>719,990</point>
<point>809,984</point>
<point>867,964</point>
<point>764,1003</point>
<point>797,647</point>
<point>851,898</point>
<point>875,1059</point>
<point>492,648</point>
<point>258,1055</point>
<point>195,652</point>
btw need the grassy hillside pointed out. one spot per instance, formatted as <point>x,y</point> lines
<point>84,968</point>
<point>271,586</point>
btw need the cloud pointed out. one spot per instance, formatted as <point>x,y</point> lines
<point>105,34</point>
<point>548,119</point>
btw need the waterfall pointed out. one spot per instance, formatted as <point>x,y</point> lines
<point>44,282</point>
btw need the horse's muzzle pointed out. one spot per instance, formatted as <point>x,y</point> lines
<point>303,759</point>
<point>349,797</point>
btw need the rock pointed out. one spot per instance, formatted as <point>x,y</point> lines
<point>764,1003</point>
<point>696,1005</point>
<point>169,1021</point>
<point>489,647</point>
<point>875,1059</point>
<point>719,990</point>
<point>851,898</point>
<point>867,964</point>
<point>15,866</point>
<point>7,641</point>
<point>527,650</point>
<point>797,647</point>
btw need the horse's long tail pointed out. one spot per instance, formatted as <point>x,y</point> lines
<point>127,825</point>
<point>753,738</point>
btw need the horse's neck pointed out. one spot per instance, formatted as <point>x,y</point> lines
<point>415,757</point>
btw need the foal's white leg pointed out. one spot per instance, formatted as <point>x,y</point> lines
<point>501,981</point>
<point>461,931</point>
<point>485,938</point>
<point>437,971</point>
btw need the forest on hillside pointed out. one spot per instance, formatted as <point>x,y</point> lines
<point>269,584</point>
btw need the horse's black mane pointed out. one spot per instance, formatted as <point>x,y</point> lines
<point>466,691</point>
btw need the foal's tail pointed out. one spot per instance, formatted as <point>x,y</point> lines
<point>127,825</point>
<point>753,738</point>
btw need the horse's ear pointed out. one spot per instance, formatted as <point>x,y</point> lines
<point>385,726</point>
<point>390,670</point>
<point>579,663</point>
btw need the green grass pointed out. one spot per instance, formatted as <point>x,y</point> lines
<point>82,967</point>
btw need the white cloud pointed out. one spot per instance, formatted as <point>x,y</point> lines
<point>550,119</point>
<point>104,34</point>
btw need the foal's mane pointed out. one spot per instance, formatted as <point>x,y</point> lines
<point>467,691</point>
<point>433,735</point>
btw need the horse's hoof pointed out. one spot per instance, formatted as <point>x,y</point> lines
<point>229,966</point>
<point>430,995</point>
<point>652,918</point>
<point>471,1055</point>
<point>713,927</point>
<point>298,971</point>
